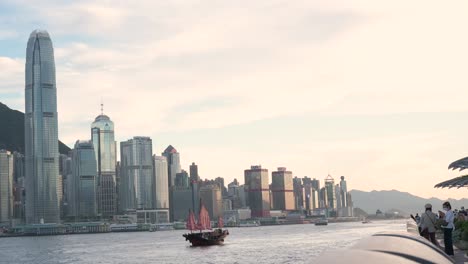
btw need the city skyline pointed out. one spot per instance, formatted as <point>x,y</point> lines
<point>360,114</point>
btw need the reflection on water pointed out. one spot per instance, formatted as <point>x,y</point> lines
<point>267,244</point>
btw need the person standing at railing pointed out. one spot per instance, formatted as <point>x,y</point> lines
<point>448,227</point>
<point>427,224</point>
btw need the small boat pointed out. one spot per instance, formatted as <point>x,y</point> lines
<point>322,221</point>
<point>207,238</point>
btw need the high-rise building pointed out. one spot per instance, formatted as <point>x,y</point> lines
<point>161,188</point>
<point>315,184</point>
<point>298,193</point>
<point>220,182</point>
<point>182,179</point>
<point>173,162</point>
<point>257,187</point>
<point>308,195</point>
<point>18,186</point>
<point>103,138</point>
<point>331,195</point>
<point>182,202</point>
<point>194,172</point>
<point>210,196</point>
<point>173,167</point>
<point>338,196</point>
<point>282,189</point>
<point>6,186</point>
<point>344,191</point>
<point>82,187</point>
<point>41,131</point>
<point>137,191</point>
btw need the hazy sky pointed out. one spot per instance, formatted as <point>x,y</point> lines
<point>373,90</point>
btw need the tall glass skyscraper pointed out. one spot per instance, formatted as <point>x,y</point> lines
<point>173,161</point>
<point>41,132</point>
<point>102,136</point>
<point>136,157</point>
<point>161,189</point>
<point>82,185</point>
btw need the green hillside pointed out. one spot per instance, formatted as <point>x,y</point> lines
<point>12,131</point>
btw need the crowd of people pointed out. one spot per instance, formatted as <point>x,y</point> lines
<point>429,222</point>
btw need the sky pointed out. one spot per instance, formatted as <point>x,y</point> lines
<point>372,90</point>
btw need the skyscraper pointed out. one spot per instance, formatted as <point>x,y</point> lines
<point>41,132</point>
<point>137,191</point>
<point>6,186</point>
<point>82,199</point>
<point>160,183</point>
<point>210,196</point>
<point>194,172</point>
<point>330,189</point>
<point>298,193</point>
<point>102,136</point>
<point>256,184</point>
<point>282,189</point>
<point>173,162</point>
<point>182,179</point>
<point>344,191</point>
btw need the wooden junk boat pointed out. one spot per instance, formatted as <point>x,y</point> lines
<point>204,238</point>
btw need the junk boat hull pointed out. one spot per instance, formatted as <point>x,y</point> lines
<point>207,238</point>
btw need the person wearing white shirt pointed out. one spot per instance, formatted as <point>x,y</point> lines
<point>448,228</point>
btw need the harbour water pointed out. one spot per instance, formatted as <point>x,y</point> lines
<point>265,244</point>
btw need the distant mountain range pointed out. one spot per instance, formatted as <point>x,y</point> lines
<point>12,131</point>
<point>406,202</point>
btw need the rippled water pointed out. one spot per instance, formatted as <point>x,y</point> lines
<point>266,244</point>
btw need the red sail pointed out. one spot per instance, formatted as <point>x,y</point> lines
<point>203,219</point>
<point>220,222</point>
<point>191,222</point>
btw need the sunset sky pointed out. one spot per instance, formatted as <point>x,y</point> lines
<point>373,90</point>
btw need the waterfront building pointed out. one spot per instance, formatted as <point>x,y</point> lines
<point>315,184</point>
<point>82,185</point>
<point>220,182</point>
<point>194,172</point>
<point>41,131</point>
<point>343,191</point>
<point>173,163</point>
<point>161,189</point>
<point>234,217</point>
<point>227,204</point>
<point>338,196</point>
<point>18,187</point>
<point>6,186</point>
<point>182,179</point>
<point>298,193</point>
<point>18,166</point>
<point>182,202</point>
<point>211,197</point>
<point>330,187</point>
<point>258,192</point>
<point>308,196</point>
<point>237,194</point>
<point>282,190</point>
<point>103,138</point>
<point>323,198</point>
<point>118,187</point>
<point>136,174</point>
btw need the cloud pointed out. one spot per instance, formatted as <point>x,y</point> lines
<point>172,68</point>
